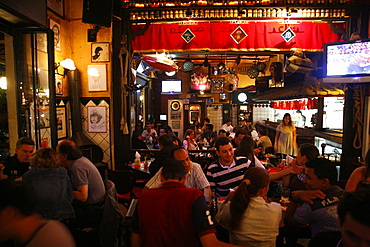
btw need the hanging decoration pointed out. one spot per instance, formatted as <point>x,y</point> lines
<point>288,34</point>
<point>301,104</point>
<point>188,35</point>
<point>238,35</point>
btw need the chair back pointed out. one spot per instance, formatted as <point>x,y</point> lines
<point>124,180</point>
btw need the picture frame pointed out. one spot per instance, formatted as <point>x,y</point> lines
<point>61,122</point>
<point>55,27</point>
<point>97,119</point>
<point>175,115</point>
<point>97,77</point>
<point>175,124</point>
<point>56,6</point>
<point>44,116</point>
<point>100,52</point>
<point>58,85</point>
<point>41,42</point>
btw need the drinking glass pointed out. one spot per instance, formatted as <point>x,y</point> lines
<point>285,194</point>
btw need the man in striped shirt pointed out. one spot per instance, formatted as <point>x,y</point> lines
<point>227,172</point>
<point>195,177</point>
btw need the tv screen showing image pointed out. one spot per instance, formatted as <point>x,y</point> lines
<point>163,117</point>
<point>347,59</point>
<point>171,87</point>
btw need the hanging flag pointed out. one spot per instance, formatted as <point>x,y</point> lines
<point>188,35</point>
<point>288,34</point>
<point>238,34</point>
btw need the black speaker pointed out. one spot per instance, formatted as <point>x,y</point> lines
<point>97,12</point>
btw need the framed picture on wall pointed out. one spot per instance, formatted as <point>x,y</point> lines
<point>61,122</point>
<point>55,27</point>
<point>57,6</point>
<point>97,119</point>
<point>58,84</point>
<point>175,124</point>
<point>175,115</point>
<point>97,77</point>
<point>100,52</point>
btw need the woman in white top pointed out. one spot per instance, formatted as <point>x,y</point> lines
<point>189,143</point>
<point>251,220</point>
<point>285,138</point>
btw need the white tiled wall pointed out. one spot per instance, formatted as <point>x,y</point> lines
<point>214,114</point>
<point>261,112</point>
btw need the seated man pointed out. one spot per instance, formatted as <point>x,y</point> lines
<point>321,216</point>
<point>194,174</point>
<point>166,145</point>
<point>20,222</point>
<point>239,134</point>
<point>87,184</point>
<point>354,220</point>
<point>18,164</point>
<point>227,172</point>
<point>209,135</point>
<point>173,215</point>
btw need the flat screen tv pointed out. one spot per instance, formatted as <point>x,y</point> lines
<point>347,61</point>
<point>171,87</point>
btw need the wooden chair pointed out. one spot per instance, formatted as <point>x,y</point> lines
<point>124,181</point>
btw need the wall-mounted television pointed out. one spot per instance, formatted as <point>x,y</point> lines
<point>347,61</point>
<point>171,87</point>
<point>163,117</point>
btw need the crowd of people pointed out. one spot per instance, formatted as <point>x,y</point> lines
<point>59,193</point>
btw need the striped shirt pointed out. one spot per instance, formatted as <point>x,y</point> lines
<point>223,178</point>
<point>195,178</point>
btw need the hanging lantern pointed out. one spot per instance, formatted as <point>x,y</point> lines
<point>188,65</point>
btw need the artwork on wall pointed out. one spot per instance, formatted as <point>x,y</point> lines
<point>175,124</point>
<point>175,115</point>
<point>58,84</point>
<point>96,118</point>
<point>199,79</point>
<point>97,77</point>
<point>57,6</point>
<point>100,52</point>
<point>41,42</point>
<point>55,27</point>
<point>61,122</point>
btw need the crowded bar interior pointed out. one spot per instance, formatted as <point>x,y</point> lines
<point>110,80</point>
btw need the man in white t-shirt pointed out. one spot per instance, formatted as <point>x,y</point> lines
<point>195,177</point>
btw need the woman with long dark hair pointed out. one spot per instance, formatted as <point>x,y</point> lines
<point>286,137</point>
<point>250,219</point>
<point>246,149</point>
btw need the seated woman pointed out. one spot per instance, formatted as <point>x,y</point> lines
<point>189,142</point>
<point>251,220</point>
<point>360,177</point>
<point>49,184</point>
<point>247,149</point>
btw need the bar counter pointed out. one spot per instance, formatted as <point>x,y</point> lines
<point>303,135</point>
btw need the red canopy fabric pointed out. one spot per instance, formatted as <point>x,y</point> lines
<point>216,36</point>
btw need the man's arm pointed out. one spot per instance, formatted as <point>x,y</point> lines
<point>81,193</point>
<point>135,240</point>
<point>307,195</point>
<point>2,175</point>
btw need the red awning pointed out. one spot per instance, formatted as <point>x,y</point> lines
<point>262,36</point>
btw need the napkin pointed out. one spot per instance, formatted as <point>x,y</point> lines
<point>137,155</point>
<point>289,158</point>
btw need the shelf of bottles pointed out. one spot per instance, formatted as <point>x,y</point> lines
<point>187,3</point>
<point>225,13</point>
